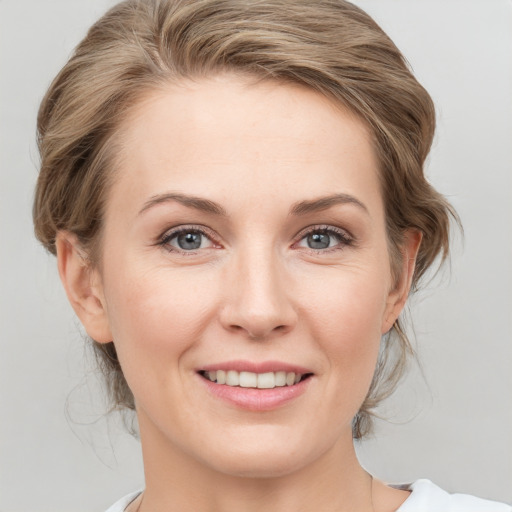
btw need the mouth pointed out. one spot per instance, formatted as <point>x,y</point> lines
<point>245,379</point>
<point>257,387</point>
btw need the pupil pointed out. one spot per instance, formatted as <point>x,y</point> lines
<point>188,241</point>
<point>318,241</point>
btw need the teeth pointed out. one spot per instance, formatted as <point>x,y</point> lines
<point>280,378</point>
<point>221,377</point>
<point>232,378</point>
<point>267,380</point>
<point>248,380</point>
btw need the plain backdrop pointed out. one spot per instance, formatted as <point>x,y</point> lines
<point>451,421</point>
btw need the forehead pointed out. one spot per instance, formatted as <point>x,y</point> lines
<point>212,135</point>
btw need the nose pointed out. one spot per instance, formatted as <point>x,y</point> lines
<point>257,301</point>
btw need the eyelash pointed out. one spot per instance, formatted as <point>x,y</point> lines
<point>166,238</point>
<point>344,239</point>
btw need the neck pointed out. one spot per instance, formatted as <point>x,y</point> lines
<point>334,481</point>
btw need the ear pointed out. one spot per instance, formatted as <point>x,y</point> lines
<point>398,295</point>
<point>83,286</point>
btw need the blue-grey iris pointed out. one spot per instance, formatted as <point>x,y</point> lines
<point>319,241</point>
<point>189,241</point>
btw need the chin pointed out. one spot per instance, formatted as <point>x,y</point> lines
<point>262,456</point>
<point>260,466</point>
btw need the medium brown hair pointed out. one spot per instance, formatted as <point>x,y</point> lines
<point>330,46</point>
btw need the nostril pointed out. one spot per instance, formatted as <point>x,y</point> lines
<point>257,323</point>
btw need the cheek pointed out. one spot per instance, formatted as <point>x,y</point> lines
<point>349,305</point>
<point>346,320</point>
<point>156,315</point>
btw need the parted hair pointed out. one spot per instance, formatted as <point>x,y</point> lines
<point>330,46</point>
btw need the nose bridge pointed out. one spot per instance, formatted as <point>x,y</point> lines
<point>258,302</point>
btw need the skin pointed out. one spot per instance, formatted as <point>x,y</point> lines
<point>254,290</point>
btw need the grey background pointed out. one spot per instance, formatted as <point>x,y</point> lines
<point>450,422</point>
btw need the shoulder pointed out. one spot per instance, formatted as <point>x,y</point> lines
<point>428,497</point>
<point>120,505</point>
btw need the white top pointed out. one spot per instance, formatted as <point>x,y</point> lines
<point>428,497</point>
<point>425,497</point>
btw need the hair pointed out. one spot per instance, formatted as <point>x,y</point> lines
<point>330,46</point>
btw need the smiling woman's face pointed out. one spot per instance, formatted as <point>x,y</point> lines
<point>245,236</point>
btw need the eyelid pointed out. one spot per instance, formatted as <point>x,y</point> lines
<point>346,238</point>
<point>169,234</point>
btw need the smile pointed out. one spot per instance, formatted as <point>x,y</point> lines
<point>256,386</point>
<point>245,379</point>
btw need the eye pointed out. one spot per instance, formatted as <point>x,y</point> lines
<point>319,240</point>
<point>322,238</point>
<point>186,239</point>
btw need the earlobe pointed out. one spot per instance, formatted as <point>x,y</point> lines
<point>398,295</point>
<point>83,287</point>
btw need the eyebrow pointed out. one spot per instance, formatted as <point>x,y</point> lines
<point>197,203</point>
<point>205,205</point>
<point>324,203</point>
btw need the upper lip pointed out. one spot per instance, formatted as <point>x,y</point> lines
<point>254,367</point>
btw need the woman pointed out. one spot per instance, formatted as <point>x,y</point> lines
<point>235,195</point>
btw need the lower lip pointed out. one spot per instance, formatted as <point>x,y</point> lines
<point>252,399</point>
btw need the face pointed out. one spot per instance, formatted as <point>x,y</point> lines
<point>245,277</point>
